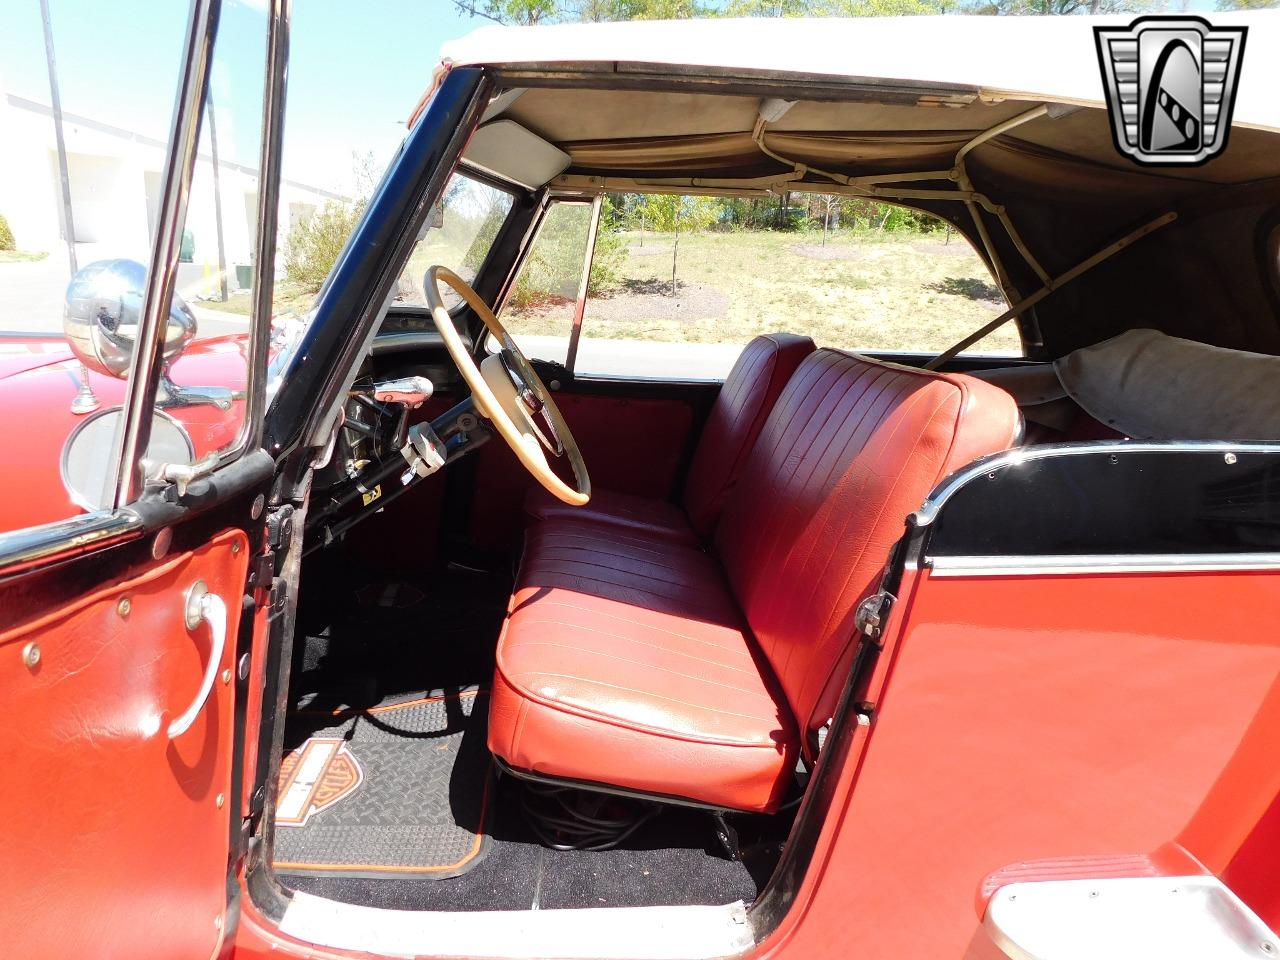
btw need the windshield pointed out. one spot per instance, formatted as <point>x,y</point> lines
<point>458,234</point>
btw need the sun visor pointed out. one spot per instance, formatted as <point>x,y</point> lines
<point>508,150</point>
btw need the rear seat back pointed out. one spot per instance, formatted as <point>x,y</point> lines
<point>753,386</point>
<point>851,447</point>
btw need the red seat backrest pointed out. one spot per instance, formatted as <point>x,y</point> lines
<point>851,448</point>
<point>749,393</point>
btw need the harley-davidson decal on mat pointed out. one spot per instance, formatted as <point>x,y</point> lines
<point>316,775</point>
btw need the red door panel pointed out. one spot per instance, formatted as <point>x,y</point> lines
<point>123,832</point>
<point>632,445</point>
<point>1040,717</point>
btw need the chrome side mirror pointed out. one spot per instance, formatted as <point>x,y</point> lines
<point>100,321</point>
<point>89,457</point>
<point>104,305</point>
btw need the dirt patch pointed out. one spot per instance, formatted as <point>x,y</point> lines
<point>815,251</point>
<point>650,251</point>
<point>637,302</point>
<point>692,300</point>
<point>940,248</point>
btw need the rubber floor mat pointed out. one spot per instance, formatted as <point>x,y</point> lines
<point>399,789</point>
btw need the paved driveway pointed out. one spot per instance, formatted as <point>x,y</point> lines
<point>31,295</point>
<point>31,298</point>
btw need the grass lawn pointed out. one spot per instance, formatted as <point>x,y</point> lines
<point>288,298</point>
<point>22,256</point>
<point>862,290</point>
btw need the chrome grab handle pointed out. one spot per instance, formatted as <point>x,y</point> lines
<point>413,392</point>
<point>203,607</point>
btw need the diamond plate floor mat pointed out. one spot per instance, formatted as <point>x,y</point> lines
<point>400,789</point>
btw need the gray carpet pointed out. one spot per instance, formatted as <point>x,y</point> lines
<point>397,790</point>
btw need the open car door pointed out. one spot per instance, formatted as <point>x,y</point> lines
<point>126,631</point>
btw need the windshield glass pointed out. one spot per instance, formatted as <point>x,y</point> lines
<point>457,236</point>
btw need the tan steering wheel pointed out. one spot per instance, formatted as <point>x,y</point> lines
<point>509,393</point>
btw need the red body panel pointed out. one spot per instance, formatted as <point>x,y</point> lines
<point>39,377</point>
<point>1040,717</point>
<point>119,842</point>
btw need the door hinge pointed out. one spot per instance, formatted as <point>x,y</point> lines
<point>872,614</point>
<point>280,527</point>
<point>276,600</point>
<point>261,571</point>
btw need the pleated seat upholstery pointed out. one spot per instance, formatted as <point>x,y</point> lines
<point>633,661</point>
<point>753,386</point>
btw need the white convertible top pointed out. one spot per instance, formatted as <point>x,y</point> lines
<point>1032,58</point>
<point>1151,386</point>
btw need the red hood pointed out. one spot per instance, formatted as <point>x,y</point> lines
<point>38,379</point>
<point>23,352</point>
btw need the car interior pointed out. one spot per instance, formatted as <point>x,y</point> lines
<point>516,688</point>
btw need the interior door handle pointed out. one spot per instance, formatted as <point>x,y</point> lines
<point>203,607</point>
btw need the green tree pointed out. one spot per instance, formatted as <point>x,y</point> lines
<point>601,11</point>
<point>531,12</point>
<point>518,12</point>
<point>666,213</point>
<point>835,8</point>
<point>6,235</point>
<point>313,245</point>
<point>1247,4</point>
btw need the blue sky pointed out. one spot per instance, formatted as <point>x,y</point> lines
<point>357,69</point>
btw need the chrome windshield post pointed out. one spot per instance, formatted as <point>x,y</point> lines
<point>175,190</point>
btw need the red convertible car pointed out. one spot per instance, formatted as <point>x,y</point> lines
<point>381,631</point>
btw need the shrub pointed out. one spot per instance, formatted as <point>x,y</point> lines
<point>553,269</point>
<point>6,235</point>
<point>314,244</point>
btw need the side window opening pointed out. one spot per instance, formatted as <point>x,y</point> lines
<point>539,312</point>
<point>680,283</point>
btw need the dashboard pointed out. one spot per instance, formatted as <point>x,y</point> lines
<point>400,424</point>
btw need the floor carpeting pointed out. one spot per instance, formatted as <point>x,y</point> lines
<point>368,641</point>
<point>395,790</point>
<point>672,860</point>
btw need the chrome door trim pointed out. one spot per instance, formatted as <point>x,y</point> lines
<point>175,190</point>
<point>264,268</point>
<point>1027,566</point>
<point>20,550</point>
<point>929,510</point>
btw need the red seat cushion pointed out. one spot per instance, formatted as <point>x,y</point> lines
<point>624,661</point>
<point>634,661</point>
<point>749,393</point>
<point>644,515</point>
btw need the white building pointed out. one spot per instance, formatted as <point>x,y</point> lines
<point>115,177</point>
